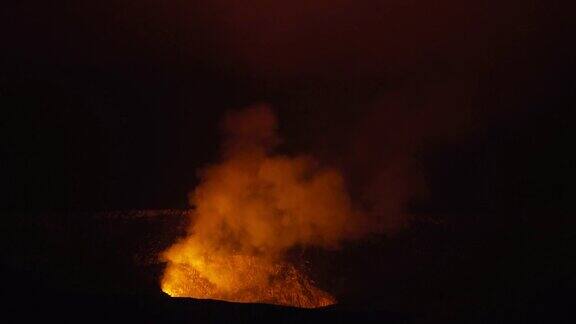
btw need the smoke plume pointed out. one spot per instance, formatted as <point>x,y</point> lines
<point>257,201</point>
<point>249,210</point>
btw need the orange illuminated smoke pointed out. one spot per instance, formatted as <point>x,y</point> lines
<point>248,211</point>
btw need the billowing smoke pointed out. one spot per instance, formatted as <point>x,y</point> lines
<point>257,201</point>
<point>249,210</point>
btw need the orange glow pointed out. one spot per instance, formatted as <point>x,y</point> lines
<point>248,211</point>
<point>241,278</point>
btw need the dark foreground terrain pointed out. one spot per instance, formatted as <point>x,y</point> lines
<point>159,309</point>
<point>103,267</point>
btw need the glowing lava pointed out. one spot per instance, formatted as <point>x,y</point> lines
<point>249,210</point>
<point>244,279</point>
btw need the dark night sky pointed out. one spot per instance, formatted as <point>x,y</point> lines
<point>452,108</point>
<point>115,105</point>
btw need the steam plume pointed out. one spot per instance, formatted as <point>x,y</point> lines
<point>257,205</point>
